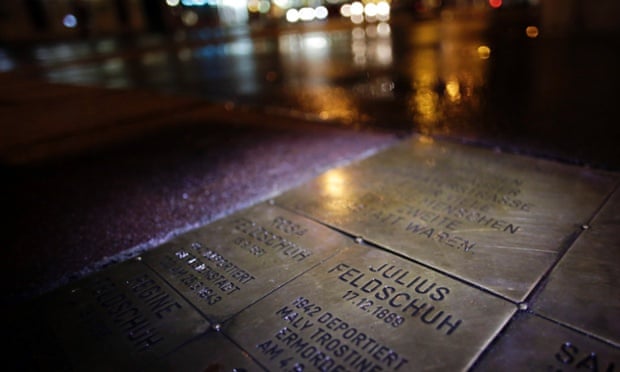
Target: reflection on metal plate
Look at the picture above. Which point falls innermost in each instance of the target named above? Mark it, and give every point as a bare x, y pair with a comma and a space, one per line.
233, 262
496, 220
583, 289
121, 318
212, 352
531, 343
366, 309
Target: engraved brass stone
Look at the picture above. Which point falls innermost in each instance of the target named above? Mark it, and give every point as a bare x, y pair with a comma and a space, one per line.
583, 289
531, 343
233, 262
121, 318
366, 309
496, 220
210, 352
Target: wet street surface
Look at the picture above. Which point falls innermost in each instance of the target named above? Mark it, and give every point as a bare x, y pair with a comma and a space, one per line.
436, 193
492, 78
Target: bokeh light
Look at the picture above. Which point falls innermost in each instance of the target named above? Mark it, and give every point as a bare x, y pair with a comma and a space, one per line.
484, 52
495, 3
531, 32
69, 21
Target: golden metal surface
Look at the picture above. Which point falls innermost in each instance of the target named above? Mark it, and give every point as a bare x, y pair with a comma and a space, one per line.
496, 220
211, 352
531, 343
366, 309
583, 289
233, 262
120, 319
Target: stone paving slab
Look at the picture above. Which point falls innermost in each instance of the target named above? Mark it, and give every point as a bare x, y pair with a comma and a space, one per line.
497, 220
532, 343
210, 352
367, 307
123, 317
583, 291
233, 262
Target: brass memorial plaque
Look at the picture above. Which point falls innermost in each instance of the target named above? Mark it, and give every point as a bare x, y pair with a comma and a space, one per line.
211, 352
496, 220
233, 262
583, 290
368, 310
531, 343
121, 318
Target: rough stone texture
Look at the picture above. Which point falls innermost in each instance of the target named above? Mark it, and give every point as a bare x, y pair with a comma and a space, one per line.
71, 211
